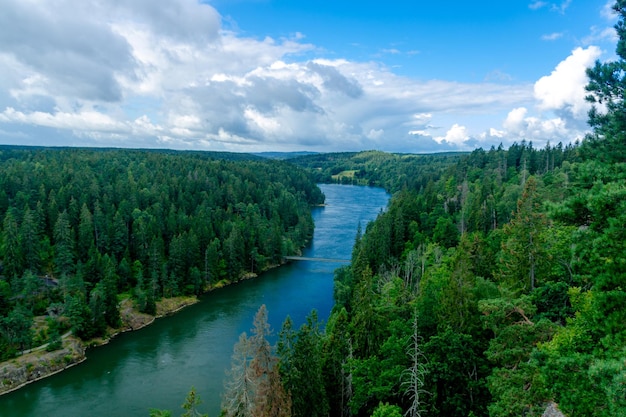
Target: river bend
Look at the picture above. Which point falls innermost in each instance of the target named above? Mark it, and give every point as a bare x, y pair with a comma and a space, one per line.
155, 367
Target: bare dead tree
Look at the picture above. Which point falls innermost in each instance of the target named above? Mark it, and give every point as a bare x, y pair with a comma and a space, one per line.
238, 398
415, 374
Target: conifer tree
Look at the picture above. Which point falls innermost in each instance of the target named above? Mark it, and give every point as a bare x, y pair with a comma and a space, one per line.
607, 87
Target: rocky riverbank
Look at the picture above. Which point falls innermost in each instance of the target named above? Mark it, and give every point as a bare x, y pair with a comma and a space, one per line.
38, 363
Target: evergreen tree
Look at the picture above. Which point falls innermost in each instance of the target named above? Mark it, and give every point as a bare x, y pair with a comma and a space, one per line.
11, 254
524, 250
607, 86
63, 244
192, 401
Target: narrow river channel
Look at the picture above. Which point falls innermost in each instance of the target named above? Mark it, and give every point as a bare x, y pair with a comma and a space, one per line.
155, 367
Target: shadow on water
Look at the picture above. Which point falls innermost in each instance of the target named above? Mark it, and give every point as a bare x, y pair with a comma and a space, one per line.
155, 367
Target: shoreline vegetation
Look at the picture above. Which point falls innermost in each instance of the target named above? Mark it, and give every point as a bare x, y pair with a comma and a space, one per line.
37, 363
88, 237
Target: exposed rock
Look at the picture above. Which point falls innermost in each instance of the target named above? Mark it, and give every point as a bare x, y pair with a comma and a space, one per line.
131, 318
552, 410
40, 364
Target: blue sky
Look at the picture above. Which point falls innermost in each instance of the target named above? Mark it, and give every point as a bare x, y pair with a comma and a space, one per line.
279, 75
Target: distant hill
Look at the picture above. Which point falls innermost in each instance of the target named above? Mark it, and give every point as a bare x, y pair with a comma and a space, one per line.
7, 151
284, 155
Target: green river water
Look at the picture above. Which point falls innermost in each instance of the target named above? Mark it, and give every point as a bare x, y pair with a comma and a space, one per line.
155, 367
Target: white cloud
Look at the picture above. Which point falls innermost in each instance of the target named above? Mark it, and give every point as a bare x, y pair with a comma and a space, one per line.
267, 125
495, 133
607, 11
537, 5
559, 7
83, 120
552, 36
456, 135
564, 88
124, 72
515, 120
600, 34
519, 125
422, 119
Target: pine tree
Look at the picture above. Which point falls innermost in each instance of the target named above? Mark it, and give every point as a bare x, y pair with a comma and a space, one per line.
607, 87
63, 244
524, 249
192, 401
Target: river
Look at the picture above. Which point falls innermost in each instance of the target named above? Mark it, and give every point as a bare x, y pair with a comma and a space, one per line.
155, 367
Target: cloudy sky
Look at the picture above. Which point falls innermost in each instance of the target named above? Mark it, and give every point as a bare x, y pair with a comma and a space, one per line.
285, 75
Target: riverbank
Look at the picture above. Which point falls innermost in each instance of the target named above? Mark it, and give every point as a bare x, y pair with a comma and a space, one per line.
38, 363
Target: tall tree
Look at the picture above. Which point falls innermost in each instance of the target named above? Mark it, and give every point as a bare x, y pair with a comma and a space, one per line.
238, 397
301, 368
524, 250
607, 87
63, 244
30, 240
270, 398
12, 256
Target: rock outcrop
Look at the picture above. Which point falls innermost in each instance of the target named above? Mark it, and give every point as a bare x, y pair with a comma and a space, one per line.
552, 410
40, 364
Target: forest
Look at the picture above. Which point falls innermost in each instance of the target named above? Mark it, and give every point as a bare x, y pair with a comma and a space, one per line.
493, 285
83, 229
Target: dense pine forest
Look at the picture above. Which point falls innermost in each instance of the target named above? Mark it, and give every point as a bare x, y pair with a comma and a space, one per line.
83, 229
493, 285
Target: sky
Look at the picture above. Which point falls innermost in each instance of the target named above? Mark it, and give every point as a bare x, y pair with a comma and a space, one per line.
414, 76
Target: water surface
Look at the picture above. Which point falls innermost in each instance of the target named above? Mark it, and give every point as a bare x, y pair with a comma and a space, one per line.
155, 367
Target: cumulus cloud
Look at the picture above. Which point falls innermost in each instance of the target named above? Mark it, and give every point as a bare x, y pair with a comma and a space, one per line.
126, 73
564, 88
521, 126
560, 111
182, 20
456, 135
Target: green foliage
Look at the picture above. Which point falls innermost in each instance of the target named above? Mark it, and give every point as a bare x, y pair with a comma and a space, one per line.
160, 413
150, 223
471, 248
16, 332
301, 368
387, 410
54, 335
607, 82
191, 405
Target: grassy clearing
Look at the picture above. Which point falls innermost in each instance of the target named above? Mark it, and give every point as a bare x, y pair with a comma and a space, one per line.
345, 174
